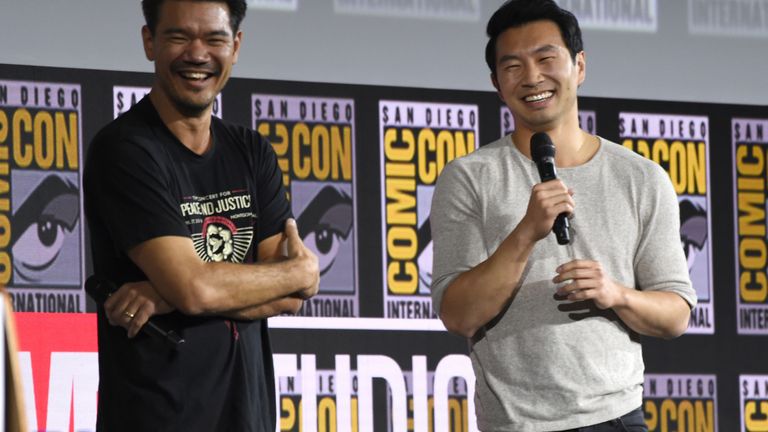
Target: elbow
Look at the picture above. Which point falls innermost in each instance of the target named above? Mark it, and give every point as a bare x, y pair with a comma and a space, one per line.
678, 328
458, 326
194, 298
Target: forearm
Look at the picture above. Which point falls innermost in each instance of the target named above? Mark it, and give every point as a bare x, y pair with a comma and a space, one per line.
276, 307
226, 288
477, 296
195, 287
654, 313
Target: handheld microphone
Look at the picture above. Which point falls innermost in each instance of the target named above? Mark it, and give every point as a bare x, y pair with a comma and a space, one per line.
100, 289
543, 153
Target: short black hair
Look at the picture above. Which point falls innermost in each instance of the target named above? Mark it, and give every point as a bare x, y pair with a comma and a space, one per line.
151, 9
515, 13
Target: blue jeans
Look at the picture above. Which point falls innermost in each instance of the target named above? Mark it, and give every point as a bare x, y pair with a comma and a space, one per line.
633, 421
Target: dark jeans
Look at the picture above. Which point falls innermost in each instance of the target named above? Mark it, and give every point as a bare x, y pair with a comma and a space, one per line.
633, 421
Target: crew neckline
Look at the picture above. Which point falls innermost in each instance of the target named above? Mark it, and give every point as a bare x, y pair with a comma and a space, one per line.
598, 154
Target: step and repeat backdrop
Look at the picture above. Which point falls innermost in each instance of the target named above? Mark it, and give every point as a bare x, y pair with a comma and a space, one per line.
360, 165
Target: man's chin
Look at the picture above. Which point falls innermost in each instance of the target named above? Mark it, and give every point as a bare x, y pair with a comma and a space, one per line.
192, 108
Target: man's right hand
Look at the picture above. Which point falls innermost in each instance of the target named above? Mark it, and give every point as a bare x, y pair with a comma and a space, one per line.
548, 200
305, 258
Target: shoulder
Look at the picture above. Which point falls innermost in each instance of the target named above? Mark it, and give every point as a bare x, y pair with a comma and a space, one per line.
239, 136
486, 157
633, 166
135, 130
644, 180
480, 167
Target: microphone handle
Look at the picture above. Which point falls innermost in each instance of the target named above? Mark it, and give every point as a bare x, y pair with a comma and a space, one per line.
562, 229
170, 337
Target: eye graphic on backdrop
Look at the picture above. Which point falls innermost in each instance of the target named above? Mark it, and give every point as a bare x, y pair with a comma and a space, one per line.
41, 225
693, 230
324, 223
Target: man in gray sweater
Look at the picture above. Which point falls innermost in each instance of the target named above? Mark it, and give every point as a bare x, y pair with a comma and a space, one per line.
554, 329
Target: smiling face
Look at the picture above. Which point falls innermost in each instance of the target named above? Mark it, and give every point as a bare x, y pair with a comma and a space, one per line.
193, 48
536, 76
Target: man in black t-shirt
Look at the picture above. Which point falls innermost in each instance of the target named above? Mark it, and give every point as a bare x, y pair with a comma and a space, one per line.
188, 216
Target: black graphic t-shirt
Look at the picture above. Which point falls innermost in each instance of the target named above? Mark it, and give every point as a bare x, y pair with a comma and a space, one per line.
142, 183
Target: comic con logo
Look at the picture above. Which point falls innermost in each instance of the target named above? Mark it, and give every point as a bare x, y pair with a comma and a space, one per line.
680, 402
40, 207
313, 139
678, 143
417, 140
750, 150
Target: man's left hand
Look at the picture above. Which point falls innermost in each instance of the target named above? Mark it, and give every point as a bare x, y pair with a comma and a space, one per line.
133, 304
588, 281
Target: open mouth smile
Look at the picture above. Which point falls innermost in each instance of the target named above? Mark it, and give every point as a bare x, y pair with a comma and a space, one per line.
538, 97
195, 76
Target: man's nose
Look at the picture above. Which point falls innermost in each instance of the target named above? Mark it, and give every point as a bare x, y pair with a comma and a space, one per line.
196, 51
531, 75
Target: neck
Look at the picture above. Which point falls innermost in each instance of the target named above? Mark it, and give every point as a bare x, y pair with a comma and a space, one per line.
194, 131
574, 146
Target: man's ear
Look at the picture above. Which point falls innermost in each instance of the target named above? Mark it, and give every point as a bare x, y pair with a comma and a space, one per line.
495, 83
236, 45
581, 65
148, 40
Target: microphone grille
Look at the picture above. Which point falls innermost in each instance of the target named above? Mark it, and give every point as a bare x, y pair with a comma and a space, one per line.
541, 146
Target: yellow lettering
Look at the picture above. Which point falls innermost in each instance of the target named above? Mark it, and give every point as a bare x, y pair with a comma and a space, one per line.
752, 253
326, 415
749, 160
464, 143
685, 420
401, 201
341, 151
402, 242
302, 165
651, 415
427, 168
287, 406
3, 131
705, 420
753, 424
399, 169
66, 144
353, 408
751, 213
668, 414
403, 277
697, 168
321, 152
454, 413
22, 152
5, 268
43, 139
54, 139
747, 288
400, 150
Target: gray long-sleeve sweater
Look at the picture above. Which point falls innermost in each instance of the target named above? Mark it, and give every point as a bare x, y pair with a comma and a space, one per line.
545, 364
